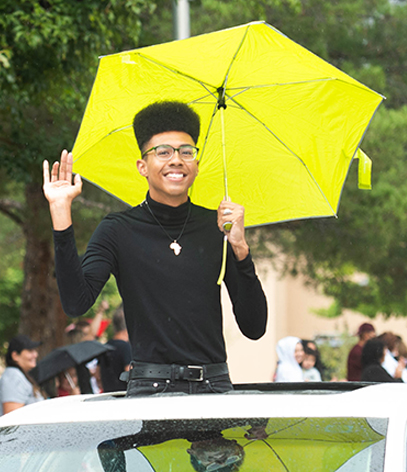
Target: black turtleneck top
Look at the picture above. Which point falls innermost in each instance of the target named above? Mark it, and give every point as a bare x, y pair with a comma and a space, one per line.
171, 303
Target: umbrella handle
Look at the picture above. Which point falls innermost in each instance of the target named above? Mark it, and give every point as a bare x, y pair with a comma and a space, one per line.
224, 254
69, 379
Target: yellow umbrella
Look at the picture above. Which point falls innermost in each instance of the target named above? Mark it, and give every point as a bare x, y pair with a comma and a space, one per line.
293, 123
280, 126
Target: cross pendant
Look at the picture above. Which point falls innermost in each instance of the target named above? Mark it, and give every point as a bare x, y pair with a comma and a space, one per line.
175, 247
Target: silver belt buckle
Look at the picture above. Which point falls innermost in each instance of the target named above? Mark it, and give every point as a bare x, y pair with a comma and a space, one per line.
201, 376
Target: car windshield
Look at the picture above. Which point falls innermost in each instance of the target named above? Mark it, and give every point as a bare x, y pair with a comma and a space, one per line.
251, 444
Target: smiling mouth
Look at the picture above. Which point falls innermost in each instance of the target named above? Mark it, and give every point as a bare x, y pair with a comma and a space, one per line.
175, 176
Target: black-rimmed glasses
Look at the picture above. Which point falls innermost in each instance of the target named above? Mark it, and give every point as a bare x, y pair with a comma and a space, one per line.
165, 152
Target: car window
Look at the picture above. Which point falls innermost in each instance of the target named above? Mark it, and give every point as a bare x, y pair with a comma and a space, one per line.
249, 444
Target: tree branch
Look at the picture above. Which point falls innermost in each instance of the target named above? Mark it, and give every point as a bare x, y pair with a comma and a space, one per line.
91, 204
10, 208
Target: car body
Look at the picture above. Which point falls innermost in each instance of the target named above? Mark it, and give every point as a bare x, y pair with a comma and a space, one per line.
289, 427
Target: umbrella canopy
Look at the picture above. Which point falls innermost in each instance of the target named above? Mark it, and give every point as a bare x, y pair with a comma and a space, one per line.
290, 123
63, 358
282, 444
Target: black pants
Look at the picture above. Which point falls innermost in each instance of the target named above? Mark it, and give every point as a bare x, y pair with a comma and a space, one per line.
144, 387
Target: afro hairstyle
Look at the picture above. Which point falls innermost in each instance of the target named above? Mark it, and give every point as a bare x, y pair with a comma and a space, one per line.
160, 117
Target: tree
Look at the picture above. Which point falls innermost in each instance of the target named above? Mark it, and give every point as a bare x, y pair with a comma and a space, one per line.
48, 58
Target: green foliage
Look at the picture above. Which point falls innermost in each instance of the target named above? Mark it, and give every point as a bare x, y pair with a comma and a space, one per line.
52, 48
334, 355
333, 311
11, 277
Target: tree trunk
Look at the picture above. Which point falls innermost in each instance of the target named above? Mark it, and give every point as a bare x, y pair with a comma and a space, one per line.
42, 317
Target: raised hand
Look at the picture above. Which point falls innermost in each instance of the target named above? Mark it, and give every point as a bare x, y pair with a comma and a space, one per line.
59, 187
60, 191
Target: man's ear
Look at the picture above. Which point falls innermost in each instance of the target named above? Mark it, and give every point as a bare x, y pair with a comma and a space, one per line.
142, 167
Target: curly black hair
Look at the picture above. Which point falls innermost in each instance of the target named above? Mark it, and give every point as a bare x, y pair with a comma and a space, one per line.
160, 117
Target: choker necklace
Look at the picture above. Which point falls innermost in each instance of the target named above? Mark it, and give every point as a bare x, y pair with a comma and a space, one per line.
175, 246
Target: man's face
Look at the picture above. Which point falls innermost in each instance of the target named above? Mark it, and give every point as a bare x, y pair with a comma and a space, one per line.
170, 180
368, 335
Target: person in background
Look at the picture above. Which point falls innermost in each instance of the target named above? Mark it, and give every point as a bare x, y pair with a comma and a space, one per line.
309, 371
17, 388
310, 347
113, 363
83, 330
68, 383
373, 354
392, 359
365, 332
290, 354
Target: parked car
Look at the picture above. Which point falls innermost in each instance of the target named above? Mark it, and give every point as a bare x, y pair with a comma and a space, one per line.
308, 427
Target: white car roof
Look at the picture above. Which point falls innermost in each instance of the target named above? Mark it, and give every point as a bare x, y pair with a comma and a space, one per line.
380, 401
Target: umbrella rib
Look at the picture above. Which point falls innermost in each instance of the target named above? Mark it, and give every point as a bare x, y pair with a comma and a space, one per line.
275, 452
277, 84
116, 130
176, 71
207, 132
288, 149
202, 83
234, 56
290, 425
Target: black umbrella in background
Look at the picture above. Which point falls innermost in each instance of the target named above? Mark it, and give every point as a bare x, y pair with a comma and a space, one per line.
63, 358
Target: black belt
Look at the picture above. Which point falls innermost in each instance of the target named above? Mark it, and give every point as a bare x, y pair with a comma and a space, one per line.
192, 373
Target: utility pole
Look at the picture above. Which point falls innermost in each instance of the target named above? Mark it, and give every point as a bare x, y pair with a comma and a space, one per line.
181, 19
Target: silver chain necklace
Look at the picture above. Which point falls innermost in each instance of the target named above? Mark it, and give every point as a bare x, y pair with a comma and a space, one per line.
175, 246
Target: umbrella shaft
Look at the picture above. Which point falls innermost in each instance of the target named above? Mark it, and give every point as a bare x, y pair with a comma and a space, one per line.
225, 175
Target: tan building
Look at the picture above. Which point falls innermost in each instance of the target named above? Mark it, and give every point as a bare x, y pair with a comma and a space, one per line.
291, 306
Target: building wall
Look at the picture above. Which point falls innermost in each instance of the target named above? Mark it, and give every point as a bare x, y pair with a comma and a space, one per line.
290, 304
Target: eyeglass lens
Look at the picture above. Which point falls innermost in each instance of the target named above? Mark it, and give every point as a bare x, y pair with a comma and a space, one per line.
186, 151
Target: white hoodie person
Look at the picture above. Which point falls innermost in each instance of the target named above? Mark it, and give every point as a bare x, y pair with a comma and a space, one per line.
290, 354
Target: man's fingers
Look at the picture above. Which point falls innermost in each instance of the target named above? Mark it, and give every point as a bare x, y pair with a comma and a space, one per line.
45, 172
77, 181
54, 171
69, 164
63, 168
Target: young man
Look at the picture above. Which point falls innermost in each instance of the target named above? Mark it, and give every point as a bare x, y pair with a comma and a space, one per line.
166, 256
365, 332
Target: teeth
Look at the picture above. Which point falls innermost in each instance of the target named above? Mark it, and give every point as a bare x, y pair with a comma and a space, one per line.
175, 176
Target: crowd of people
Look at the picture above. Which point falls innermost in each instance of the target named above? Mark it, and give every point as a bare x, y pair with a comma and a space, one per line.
374, 358
19, 387
298, 361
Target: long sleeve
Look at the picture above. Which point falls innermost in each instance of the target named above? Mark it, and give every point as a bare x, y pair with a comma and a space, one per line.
78, 286
247, 296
